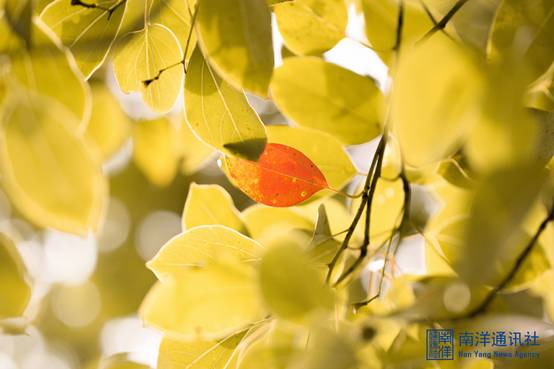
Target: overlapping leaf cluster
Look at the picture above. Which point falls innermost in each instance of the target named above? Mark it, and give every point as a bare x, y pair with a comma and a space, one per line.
463, 164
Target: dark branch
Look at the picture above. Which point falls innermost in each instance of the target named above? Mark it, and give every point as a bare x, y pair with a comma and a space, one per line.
147, 82
433, 19
444, 21
399, 26
516, 267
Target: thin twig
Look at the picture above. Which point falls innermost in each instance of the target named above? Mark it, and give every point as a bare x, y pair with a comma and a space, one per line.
444, 21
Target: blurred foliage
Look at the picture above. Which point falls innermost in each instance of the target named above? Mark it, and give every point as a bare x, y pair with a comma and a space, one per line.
145, 182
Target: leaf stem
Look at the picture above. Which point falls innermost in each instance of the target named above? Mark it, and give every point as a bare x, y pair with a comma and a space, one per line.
444, 21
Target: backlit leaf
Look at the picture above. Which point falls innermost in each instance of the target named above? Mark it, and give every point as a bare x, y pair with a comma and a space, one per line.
38, 139
109, 126
46, 68
88, 32
210, 204
194, 152
235, 36
324, 96
524, 29
435, 99
148, 51
196, 247
219, 114
178, 354
322, 148
14, 290
282, 176
263, 222
298, 291
155, 150
311, 26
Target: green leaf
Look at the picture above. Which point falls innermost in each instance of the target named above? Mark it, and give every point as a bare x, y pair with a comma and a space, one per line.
109, 126
435, 100
219, 114
120, 361
235, 36
524, 29
199, 354
324, 96
47, 170
333, 161
298, 291
14, 290
88, 32
155, 150
194, 152
311, 26
149, 51
210, 205
47, 69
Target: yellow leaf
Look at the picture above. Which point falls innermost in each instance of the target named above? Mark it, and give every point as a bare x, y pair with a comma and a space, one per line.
210, 301
14, 290
263, 221
210, 205
194, 152
323, 149
381, 19
179, 354
219, 114
435, 100
88, 32
47, 69
291, 286
324, 96
524, 29
195, 247
109, 126
139, 61
235, 36
120, 361
155, 150
46, 168
311, 26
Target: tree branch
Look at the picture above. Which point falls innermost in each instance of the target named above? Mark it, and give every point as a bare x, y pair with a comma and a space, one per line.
444, 21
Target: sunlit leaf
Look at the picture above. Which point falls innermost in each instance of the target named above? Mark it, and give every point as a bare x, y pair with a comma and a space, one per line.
177, 16
177, 354
323, 149
263, 222
435, 100
381, 19
210, 204
148, 52
196, 247
282, 176
219, 114
88, 32
541, 93
120, 361
311, 26
299, 291
19, 15
47, 171
235, 36
324, 96
109, 126
194, 152
524, 29
210, 301
45, 68
155, 150
14, 289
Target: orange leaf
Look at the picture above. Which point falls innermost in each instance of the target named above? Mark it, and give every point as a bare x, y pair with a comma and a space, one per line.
282, 176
